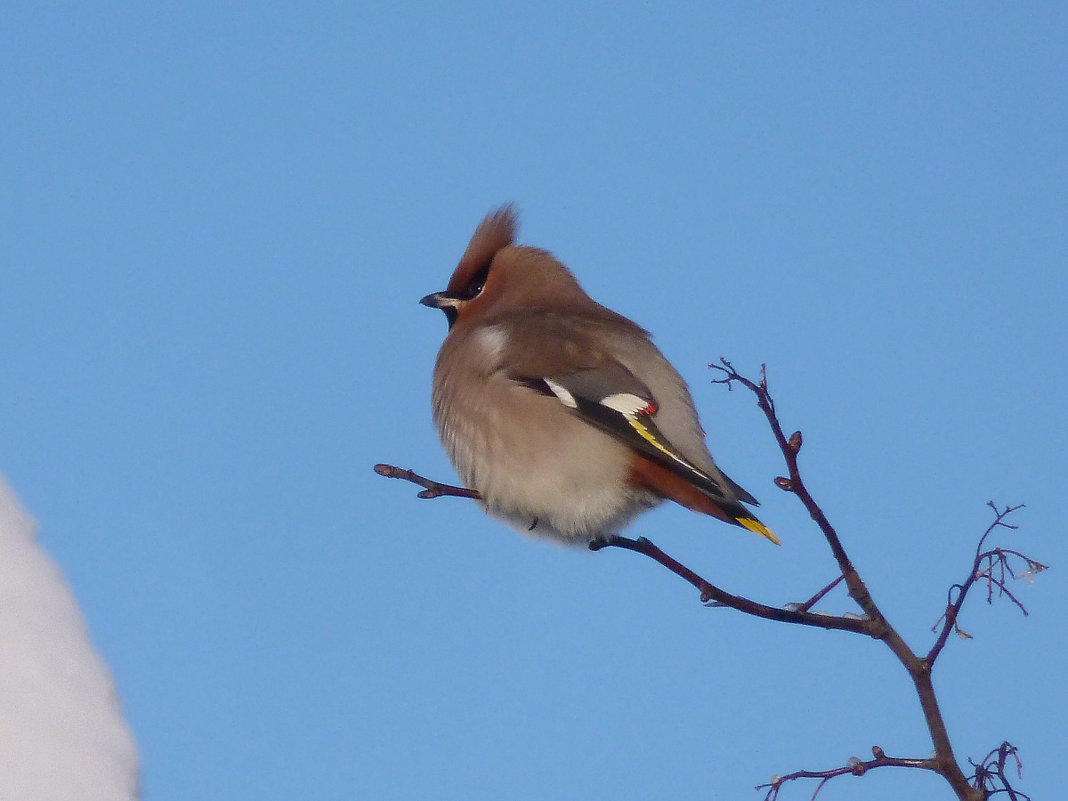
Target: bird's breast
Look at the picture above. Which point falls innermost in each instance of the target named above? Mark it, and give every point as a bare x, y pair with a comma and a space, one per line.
532, 459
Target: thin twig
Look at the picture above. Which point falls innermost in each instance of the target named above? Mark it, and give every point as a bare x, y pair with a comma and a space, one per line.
854, 766
431, 489
993, 558
710, 592
990, 778
816, 598
790, 447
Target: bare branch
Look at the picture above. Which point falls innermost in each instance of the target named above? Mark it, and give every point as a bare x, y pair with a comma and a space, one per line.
816, 598
854, 766
709, 592
993, 567
790, 448
919, 669
431, 489
990, 778
718, 597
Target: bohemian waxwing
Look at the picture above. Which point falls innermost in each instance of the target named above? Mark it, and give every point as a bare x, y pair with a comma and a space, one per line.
561, 413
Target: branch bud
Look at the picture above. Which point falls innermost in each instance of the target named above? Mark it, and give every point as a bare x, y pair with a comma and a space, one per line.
795, 441
877, 752
784, 484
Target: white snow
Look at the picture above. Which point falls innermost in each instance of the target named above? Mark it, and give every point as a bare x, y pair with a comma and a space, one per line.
62, 734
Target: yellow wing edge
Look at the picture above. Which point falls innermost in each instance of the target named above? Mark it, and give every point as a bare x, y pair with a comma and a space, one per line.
757, 527
750, 523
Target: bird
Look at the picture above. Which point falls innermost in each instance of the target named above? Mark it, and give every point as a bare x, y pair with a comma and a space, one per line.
561, 413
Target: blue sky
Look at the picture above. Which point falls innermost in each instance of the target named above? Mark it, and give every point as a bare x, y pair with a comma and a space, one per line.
215, 223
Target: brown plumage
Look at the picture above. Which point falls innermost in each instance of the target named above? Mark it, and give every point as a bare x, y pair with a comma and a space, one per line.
561, 412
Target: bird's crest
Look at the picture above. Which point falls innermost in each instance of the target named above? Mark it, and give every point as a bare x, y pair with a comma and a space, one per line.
496, 231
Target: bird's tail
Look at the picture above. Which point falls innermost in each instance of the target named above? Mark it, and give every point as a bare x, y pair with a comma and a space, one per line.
669, 484
757, 527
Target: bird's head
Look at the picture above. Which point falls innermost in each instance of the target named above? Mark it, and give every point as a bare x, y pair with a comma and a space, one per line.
495, 276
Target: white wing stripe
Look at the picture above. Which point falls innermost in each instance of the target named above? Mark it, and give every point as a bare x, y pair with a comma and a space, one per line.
625, 403
560, 392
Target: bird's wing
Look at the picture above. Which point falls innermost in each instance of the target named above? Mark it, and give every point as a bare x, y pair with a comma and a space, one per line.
563, 357
611, 398
565, 360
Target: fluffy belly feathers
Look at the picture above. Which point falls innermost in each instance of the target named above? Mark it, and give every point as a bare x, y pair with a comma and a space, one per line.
552, 474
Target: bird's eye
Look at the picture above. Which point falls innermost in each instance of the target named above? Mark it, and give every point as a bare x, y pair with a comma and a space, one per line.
478, 282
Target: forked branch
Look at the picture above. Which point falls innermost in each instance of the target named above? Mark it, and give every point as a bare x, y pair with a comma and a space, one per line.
854, 766
994, 566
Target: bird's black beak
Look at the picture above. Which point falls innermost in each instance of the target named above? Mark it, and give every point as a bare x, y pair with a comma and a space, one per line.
435, 300
446, 302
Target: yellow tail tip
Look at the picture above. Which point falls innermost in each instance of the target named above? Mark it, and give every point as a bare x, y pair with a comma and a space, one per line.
757, 527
